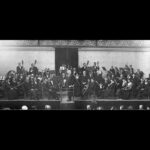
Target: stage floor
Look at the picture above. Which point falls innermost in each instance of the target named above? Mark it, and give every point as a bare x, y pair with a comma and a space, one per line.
77, 99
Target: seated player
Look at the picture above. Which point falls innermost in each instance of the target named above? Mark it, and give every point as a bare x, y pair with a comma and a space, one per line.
20, 68
118, 87
26, 86
63, 81
143, 89
136, 82
39, 85
84, 85
44, 87
11, 87
77, 86
123, 87
33, 69
110, 90
105, 87
52, 91
99, 81
20, 86
33, 88
91, 89
128, 90
2, 87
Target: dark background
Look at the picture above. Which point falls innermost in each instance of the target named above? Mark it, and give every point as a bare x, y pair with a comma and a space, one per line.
66, 56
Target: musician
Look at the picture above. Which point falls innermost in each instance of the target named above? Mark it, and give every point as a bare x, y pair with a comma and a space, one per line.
131, 69
123, 87
136, 82
119, 83
94, 69
90, 76
74, 72
44, 87
143, 89
105, 87
70, 84
33, 88
55, 86
110, 90
26, 86
62, 81
112, 70
104, 72
116, 72
20, 85
91, 89
147, 88
122, 72
84, 68
62, 69
139, 73
127, 70
99, 81
2, 87
128, 89
33, 69
20, 69
77, 86
84, 84
11, 89
39, 85
52, 88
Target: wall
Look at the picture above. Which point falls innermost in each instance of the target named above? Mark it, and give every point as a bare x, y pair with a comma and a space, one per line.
139, 58
10, 56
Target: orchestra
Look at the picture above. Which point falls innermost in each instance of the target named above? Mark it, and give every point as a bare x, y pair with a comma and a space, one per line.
84, 82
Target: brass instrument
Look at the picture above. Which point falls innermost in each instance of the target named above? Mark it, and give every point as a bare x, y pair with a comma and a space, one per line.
84, 90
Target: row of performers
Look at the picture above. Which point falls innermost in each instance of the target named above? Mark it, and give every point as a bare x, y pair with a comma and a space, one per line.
85, 86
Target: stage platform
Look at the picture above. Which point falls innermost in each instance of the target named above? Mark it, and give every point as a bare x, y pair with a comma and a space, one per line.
77, 104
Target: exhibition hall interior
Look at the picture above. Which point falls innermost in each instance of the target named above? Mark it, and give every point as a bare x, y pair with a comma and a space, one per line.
74, 74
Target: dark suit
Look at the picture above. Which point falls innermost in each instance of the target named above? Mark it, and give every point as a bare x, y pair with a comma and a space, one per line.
11, 89
77, 88
143, 90
33, 70
33, 87
99, 89
19, 70
51, 89
2, 90
84, 83
136, 82
70, 83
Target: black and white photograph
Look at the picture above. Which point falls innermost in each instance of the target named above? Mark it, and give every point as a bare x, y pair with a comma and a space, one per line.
75, 74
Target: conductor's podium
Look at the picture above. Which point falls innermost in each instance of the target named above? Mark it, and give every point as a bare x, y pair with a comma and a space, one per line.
63, 93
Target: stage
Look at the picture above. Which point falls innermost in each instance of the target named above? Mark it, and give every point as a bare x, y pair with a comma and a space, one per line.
72, 105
